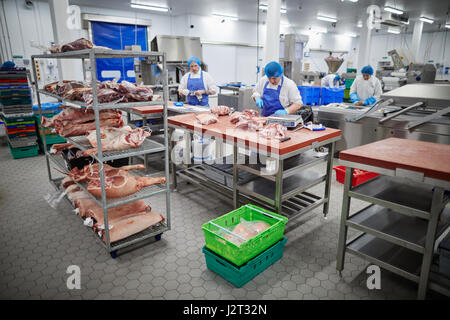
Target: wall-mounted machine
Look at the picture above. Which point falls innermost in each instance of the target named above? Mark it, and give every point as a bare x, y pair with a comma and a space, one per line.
291, 53
236, 96
178, 49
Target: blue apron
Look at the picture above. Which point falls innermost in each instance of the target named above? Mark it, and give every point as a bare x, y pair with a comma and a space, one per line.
271, 99
194, 85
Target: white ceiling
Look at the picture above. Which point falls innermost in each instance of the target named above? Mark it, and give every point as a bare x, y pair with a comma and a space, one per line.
301, 13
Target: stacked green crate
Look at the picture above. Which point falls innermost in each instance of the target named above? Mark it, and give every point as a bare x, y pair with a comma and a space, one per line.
15, 100
239, 263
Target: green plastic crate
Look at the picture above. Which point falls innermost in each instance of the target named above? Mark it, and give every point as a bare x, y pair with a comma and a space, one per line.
239, 276
24, 152
250, 248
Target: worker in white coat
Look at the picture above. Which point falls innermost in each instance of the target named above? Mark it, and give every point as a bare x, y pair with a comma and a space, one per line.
366, 89
330, 81
276, 94
197, 84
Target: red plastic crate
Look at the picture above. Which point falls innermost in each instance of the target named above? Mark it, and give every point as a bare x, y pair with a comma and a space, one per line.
359, 176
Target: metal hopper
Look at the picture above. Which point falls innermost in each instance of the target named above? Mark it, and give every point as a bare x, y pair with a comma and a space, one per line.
333, 64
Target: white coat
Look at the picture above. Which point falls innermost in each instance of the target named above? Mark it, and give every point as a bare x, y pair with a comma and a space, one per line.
366, 88
328, 81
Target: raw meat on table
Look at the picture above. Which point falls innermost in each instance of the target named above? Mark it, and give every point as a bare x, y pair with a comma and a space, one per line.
113, 139
78, 44
248, 119
206, 118
274, 131
220, 110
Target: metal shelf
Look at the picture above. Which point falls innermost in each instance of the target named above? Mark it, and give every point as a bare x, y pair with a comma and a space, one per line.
101, 106
82, 143
400, 229
147, 147
385, 254
411, 199
265, 190
99, 54
296, 206
290, 166
113, 202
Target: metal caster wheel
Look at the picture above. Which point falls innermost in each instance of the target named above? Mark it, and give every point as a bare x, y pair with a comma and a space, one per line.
158, 237
114, 254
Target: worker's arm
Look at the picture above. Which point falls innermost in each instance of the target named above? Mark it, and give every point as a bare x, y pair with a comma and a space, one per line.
182, 88
295, 99
293, 108
378, 90
353, 95
210, 84
259, 87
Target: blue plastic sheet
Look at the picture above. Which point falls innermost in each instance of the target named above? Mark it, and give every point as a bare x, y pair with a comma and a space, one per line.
117, 36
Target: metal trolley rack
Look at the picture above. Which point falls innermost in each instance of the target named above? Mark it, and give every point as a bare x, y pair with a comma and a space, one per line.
82, 143
406, 213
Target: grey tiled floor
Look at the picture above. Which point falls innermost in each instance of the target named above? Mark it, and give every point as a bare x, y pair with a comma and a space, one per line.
38, 243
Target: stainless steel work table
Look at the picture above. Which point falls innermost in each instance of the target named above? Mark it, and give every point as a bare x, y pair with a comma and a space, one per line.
407, 210
286, 190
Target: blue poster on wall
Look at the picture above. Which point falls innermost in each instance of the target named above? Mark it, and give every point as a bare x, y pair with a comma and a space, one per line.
117, 36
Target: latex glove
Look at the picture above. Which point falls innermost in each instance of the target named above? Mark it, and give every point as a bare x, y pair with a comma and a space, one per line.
354, 97
185, 92
259, 102
281, 111
370, 101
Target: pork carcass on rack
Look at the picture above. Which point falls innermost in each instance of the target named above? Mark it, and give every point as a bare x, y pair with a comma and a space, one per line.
274, 131
75, 122
121, 185
220, 110
113, 139
117, 213
133, 224
118, 181
206, 118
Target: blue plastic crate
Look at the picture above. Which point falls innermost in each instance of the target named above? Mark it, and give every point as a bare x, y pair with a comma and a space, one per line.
239, 276
310, 95
49, 107
332, 95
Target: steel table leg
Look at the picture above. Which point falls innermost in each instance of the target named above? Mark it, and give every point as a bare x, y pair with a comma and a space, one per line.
173, 166
326, 204
344, 216
235, 177
436, 209
279, 187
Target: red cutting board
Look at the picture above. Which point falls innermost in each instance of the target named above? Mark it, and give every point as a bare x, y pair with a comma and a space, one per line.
432, 159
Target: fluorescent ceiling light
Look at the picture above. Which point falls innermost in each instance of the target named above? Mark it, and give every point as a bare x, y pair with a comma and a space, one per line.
148, 7
225, 16
359, 25
318, 29
349, 34
393, 30
324, 18
393, 10
447, 25
405, 22
350, 1
265, 7
425, 19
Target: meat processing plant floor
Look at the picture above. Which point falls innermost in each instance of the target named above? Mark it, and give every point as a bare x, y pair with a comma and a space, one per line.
39, 243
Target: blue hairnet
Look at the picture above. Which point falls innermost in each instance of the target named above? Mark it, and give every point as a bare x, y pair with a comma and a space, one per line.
337, 78
367, 70
8, 65
194, 59
273, 69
